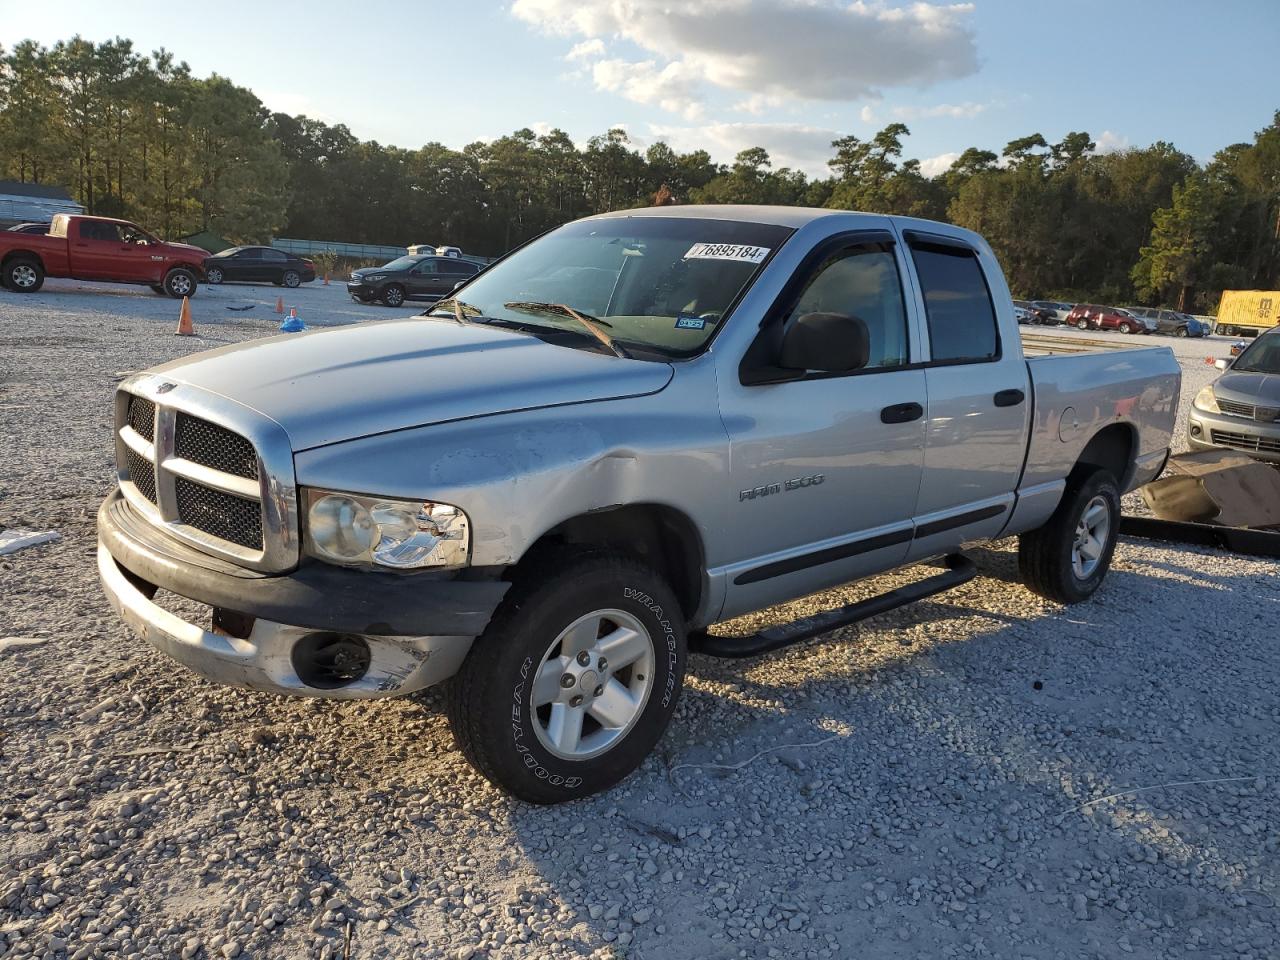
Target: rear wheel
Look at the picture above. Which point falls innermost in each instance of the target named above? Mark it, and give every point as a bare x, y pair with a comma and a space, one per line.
575, 679
1067, 559
393, 295
180, 282
23, 275
1082, 323
291, 279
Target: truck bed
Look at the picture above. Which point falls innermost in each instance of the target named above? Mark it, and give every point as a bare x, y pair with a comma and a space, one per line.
1083, 386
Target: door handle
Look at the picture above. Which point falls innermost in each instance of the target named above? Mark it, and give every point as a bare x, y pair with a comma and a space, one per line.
901, 413
1009, 398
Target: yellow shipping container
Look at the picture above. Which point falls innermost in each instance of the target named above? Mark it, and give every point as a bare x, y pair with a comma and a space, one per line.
1248, 311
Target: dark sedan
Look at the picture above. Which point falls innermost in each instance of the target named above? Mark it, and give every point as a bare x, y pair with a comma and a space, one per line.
410, 278
258, 265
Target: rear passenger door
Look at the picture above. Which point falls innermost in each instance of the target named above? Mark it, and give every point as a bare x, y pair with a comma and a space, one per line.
274, 263
423, 279
454, 271
978, 408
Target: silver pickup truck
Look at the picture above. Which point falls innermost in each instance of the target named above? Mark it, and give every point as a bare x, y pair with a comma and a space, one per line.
549, 487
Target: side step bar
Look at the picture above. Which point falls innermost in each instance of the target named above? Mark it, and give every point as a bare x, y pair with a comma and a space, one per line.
960, 569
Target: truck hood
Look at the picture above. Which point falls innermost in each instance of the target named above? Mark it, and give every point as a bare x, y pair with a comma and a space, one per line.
1259, 389
332, 385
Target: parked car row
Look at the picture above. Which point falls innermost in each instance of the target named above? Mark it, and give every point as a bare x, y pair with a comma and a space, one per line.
1129, 320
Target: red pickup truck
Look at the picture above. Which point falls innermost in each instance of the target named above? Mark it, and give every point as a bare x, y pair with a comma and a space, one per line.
99, 248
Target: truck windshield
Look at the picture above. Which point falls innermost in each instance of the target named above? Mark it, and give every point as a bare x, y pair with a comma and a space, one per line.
663, 285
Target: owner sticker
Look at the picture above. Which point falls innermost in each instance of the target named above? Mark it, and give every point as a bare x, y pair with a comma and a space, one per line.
741, 252
686, 322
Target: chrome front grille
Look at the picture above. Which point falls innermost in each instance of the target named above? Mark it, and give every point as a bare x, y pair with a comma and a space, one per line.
1249, 411
215, 474
1245, 441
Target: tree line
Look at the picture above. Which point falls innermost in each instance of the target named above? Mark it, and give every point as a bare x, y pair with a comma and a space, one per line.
139, 136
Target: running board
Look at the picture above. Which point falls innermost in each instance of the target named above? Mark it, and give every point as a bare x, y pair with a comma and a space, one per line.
960, 569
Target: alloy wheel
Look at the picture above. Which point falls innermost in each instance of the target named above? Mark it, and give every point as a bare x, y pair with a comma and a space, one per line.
592, 684
1090, 542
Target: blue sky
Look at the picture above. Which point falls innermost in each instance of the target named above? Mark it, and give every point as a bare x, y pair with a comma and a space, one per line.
724, 74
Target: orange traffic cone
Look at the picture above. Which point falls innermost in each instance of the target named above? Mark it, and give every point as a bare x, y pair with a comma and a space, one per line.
185, 326
279, 304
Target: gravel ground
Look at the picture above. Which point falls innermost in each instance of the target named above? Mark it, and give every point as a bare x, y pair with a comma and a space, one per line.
940, 781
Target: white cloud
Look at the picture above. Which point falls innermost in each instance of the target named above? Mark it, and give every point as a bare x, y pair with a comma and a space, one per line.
867, 114
670, 87
958, 111
932, 166
1108, 142
783, 49
794, 145
586, 50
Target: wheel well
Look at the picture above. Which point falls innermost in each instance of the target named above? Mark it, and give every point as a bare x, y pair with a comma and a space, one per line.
1110, 449
661, 536
22, 255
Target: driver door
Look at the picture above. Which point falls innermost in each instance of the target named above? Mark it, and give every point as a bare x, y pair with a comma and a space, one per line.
825, 469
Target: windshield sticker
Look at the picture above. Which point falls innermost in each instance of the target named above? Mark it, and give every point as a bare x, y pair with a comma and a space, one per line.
686, 322
741, 252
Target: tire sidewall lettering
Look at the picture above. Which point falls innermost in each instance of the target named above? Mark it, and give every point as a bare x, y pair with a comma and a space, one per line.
519, 736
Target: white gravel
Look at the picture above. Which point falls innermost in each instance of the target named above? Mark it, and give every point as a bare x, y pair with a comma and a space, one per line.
929, 791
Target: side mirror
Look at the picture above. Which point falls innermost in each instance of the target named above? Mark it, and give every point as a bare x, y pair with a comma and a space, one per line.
1221, 363
830, 342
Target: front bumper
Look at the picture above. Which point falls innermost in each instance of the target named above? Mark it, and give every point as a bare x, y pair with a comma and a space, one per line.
418, 628
364, 292
1218, 431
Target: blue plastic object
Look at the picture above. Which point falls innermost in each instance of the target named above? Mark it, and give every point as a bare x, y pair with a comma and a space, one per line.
292, 324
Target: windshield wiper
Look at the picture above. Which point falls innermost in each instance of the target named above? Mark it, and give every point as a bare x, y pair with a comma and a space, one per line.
593, 325
460, 310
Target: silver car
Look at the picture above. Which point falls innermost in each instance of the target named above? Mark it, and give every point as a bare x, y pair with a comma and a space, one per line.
1241, 410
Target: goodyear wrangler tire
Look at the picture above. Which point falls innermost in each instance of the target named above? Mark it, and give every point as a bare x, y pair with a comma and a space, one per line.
575, 679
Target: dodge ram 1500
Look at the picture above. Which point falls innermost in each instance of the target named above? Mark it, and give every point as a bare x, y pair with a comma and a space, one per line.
98, 248
546, 489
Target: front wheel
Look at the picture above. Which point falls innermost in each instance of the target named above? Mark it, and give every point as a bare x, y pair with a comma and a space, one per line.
1082, 324
23, 276
213, 275
393, 296
180, 282
575, 679
1181, 332
1067, 558
291, 279
1125, 328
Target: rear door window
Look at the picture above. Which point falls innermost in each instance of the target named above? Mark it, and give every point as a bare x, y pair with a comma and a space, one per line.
961, 316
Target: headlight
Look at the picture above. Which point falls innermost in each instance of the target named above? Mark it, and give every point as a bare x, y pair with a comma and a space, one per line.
377, 276
1206, 401
363, 531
